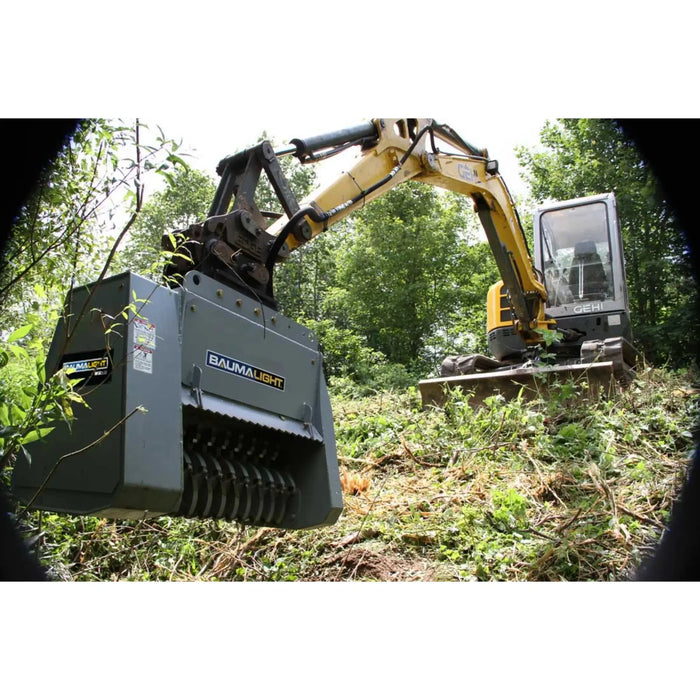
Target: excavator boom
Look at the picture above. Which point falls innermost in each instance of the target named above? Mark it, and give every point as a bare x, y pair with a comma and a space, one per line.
409, 149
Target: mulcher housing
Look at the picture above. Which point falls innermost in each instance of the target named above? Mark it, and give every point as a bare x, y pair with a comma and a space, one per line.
236, 420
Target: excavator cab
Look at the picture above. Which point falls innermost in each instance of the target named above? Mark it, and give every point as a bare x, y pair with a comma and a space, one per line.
578, 252
578, 247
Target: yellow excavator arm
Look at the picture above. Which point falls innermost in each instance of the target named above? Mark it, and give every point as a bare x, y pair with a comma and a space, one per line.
397, 150
239, 245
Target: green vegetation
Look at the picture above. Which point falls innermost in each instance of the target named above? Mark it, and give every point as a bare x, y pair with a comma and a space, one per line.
553, 489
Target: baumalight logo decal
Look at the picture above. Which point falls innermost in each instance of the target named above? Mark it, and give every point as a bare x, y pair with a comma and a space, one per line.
91, 367
243, 369
98, 365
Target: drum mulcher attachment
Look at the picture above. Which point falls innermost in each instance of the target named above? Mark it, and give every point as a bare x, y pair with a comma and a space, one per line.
237, 422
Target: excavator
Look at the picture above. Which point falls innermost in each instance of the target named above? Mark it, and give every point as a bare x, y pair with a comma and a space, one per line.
206, 402
579, 255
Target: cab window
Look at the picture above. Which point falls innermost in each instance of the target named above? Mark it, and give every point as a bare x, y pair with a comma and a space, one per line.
576, 254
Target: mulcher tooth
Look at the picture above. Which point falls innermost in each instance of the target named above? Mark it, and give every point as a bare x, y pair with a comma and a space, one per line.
277, 498
256, 494
234, 497
187, 501
269, 494
290, 493
251, 444
213, 484
199, 485
247, 500
224, 488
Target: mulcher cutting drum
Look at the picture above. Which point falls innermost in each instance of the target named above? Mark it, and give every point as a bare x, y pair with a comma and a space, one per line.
236, 423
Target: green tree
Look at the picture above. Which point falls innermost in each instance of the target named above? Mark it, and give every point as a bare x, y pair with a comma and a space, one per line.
303, 283
184, 201
582, 157
83, 206
404, 273
465, 331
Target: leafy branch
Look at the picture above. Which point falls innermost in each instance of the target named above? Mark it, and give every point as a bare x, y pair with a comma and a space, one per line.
75, 453
28, 415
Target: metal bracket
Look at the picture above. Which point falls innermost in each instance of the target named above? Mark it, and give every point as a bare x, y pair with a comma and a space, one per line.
196, 387
308, 414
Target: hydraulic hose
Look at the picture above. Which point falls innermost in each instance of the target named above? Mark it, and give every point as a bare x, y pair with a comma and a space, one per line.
313, 214
322, 216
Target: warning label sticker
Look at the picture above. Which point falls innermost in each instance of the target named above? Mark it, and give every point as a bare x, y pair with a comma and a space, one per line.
145, 333
143, 359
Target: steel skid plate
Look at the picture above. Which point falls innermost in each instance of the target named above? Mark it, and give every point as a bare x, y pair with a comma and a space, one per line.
215, 407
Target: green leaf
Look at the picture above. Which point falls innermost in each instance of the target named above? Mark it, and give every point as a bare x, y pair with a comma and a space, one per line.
29, 390
8, 430
18, 351
177, 160
20, 332
34, 435
17, 415
24, 400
